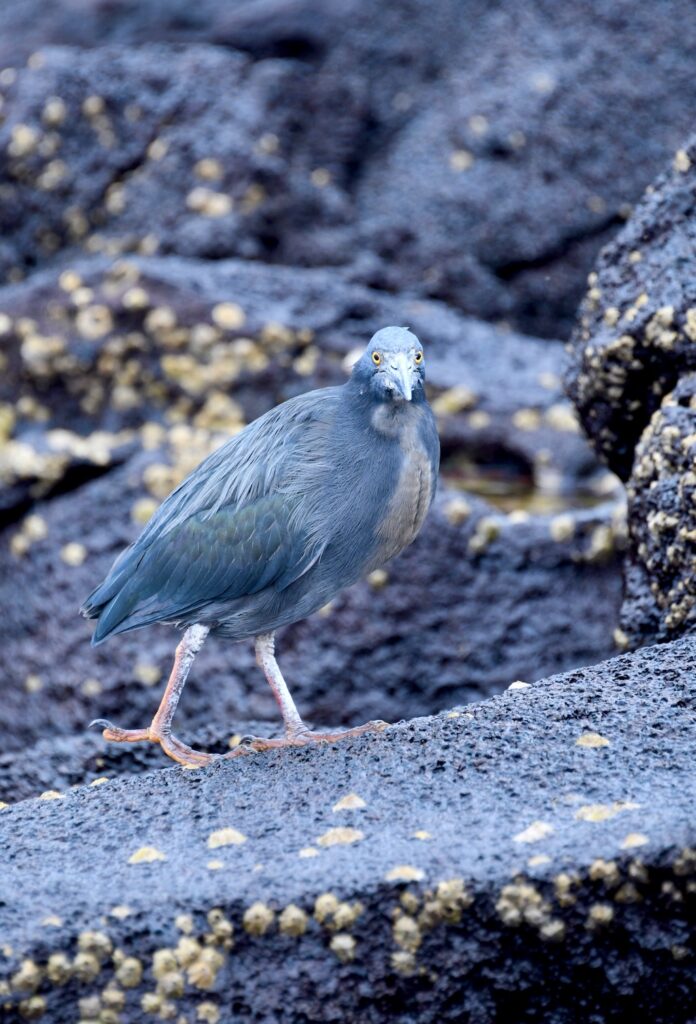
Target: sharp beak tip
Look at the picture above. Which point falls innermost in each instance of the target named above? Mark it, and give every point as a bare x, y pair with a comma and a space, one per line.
402, 380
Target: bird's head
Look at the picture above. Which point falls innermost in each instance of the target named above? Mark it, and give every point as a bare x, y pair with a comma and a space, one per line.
392, 367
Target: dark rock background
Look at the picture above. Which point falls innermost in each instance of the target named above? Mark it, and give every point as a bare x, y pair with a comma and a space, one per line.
631, 377
472, 152
205, 209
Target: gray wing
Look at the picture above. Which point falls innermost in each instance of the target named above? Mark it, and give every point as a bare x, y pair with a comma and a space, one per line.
263, 459
241, 522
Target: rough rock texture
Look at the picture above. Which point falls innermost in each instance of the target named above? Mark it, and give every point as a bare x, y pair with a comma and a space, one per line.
109, 353
507, 597
531, 857
631, 378
661, 590
204, 209
476, 153
158, 149
510, 129
637, 325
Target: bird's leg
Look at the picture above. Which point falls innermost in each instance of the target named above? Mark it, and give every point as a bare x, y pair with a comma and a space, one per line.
296, 732
160, 730
266, 660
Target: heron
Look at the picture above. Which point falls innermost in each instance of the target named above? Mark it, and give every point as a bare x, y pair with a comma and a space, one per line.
307, 499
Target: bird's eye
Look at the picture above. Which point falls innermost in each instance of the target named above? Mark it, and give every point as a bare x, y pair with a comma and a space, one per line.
419, 358
376, 358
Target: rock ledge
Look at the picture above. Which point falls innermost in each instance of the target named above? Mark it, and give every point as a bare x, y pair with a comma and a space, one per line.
531, 855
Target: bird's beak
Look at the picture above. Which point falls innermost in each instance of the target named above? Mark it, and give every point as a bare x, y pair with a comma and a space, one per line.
401, 375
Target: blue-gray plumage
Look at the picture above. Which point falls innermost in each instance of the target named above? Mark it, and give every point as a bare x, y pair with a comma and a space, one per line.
307, 499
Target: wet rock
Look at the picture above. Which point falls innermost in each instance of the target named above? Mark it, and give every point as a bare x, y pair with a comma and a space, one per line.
451, 152
142, 150
660, 591
637, 325
631, 378
507, 597
449, 865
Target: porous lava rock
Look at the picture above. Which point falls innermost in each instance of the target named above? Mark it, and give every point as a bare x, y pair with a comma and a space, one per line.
476, 153
530, 856
637, 325
631, 377
661, 589
150, 149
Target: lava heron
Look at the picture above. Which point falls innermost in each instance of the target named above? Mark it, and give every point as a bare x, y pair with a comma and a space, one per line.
303, 502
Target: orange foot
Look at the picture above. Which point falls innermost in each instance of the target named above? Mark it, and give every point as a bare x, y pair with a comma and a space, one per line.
304, 737
172, 746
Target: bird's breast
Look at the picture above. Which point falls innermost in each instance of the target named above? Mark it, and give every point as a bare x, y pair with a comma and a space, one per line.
410, 499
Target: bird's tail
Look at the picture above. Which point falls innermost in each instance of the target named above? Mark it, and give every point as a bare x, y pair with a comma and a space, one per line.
115, 600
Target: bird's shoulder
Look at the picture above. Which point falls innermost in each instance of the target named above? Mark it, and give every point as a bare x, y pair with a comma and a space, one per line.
255, 463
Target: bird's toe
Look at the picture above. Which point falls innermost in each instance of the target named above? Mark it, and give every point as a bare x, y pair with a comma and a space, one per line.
341, 734
184, 754
260, 743
117, 735
301, 738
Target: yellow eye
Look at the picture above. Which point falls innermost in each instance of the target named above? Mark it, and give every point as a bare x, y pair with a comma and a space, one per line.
376, 358
419, 357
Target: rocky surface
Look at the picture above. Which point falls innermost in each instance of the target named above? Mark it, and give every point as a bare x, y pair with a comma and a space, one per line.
660, 594
476, 155
637, 324
109, 354
530, 856
511, 128
632, 381
203, 211
140, 150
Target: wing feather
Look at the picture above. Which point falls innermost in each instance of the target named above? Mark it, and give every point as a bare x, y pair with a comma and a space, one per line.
237, 525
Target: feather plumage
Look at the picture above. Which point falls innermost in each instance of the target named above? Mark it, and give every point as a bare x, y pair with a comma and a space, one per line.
277, 520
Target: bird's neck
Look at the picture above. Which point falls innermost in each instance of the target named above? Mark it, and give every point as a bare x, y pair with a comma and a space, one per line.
389, 419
